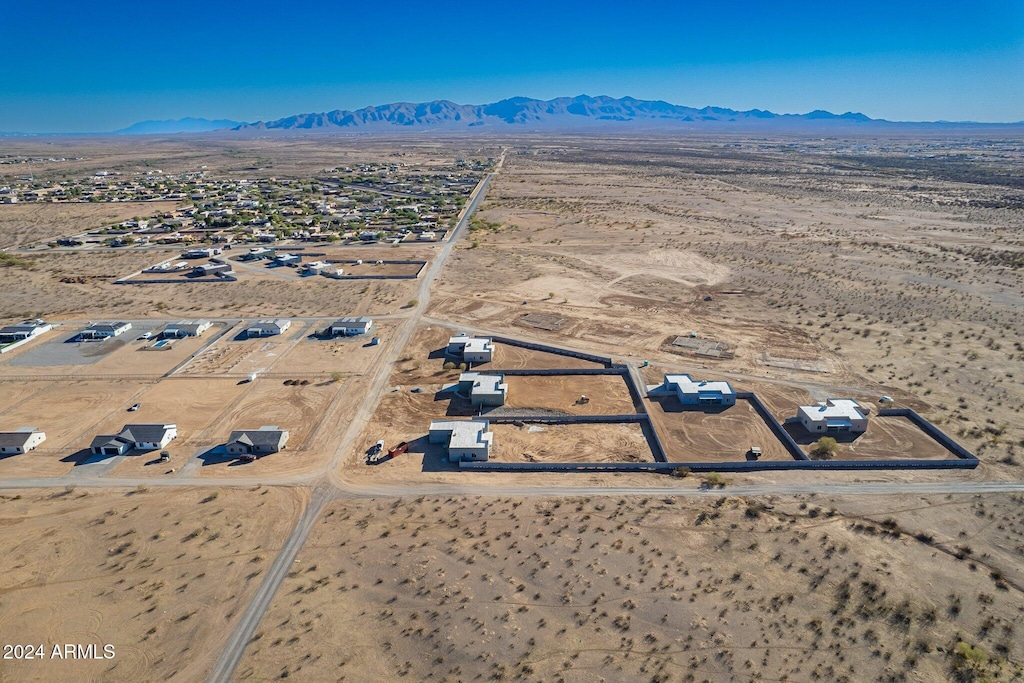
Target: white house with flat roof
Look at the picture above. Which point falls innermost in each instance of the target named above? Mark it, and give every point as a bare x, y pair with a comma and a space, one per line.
186, 328
349, 327
105, 330
466, 439
471, 349
20, 440
268, 327
22, 331
697, 392
836, 415
319, 268
483, 390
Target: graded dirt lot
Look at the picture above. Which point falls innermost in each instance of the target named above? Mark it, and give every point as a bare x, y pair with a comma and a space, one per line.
236, 355
886, 438
608, 394
327, 356
71, 412
647, 589
24, 224
570, 443
161, 575
690, 435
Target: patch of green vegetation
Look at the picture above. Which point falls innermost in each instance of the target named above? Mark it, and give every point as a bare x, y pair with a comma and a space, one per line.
11, 261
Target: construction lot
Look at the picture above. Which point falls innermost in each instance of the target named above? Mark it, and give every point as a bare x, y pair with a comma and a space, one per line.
714, 435
324, 356
561, 394
886, 438
606, 442
236, 355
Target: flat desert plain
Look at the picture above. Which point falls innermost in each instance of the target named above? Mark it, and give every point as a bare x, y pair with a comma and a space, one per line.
161, 575
613, 589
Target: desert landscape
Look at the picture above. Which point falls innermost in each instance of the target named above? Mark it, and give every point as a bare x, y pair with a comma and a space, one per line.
793, 267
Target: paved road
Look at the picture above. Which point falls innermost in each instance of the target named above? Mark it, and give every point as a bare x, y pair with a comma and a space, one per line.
253, 614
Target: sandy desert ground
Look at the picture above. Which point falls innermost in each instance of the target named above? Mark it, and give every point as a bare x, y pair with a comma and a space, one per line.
804, 268
600, 589
161, 575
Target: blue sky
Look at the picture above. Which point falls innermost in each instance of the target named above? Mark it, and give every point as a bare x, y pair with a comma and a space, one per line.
102, 65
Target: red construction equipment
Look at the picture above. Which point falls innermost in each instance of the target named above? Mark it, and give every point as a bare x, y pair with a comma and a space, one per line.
399, 449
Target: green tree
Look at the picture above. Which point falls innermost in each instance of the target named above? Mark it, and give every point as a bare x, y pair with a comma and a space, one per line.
826, 447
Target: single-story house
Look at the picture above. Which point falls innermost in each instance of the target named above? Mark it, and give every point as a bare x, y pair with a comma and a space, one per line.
427, 236
20, 440
697, 392
203, 252
348, 327
483, 390
258, 253
105, 330
836, 415
25, 330
268, 328
471, 349
319, 268
213, 269
287, 259
266, 439
186, 328
143, 437
466, 439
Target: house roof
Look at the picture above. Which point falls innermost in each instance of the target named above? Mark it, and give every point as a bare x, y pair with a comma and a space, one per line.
259, 437
700, 388
484, 384
108, 440
108, 326
18, 438
190, 325
271, 324
835, 410
137, 433
464, 433
27, 326
361, 321
478, 344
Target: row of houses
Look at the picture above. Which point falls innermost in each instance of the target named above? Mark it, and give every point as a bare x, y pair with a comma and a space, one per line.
150, 437
833, 416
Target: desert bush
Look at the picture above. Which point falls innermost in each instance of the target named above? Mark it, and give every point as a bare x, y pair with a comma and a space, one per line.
825, 447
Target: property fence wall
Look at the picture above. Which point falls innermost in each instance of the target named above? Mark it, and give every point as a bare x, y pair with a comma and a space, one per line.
931, 430
607, 362
178, 281
565, 419
752, 466
525, 372
781, 434
14, 345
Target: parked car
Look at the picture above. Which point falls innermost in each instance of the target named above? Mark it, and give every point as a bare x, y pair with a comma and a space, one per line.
164, 456
146, 335
134, 407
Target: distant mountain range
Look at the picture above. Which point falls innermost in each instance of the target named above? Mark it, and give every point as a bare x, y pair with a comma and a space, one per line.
562, 113
524, 112
186, 125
